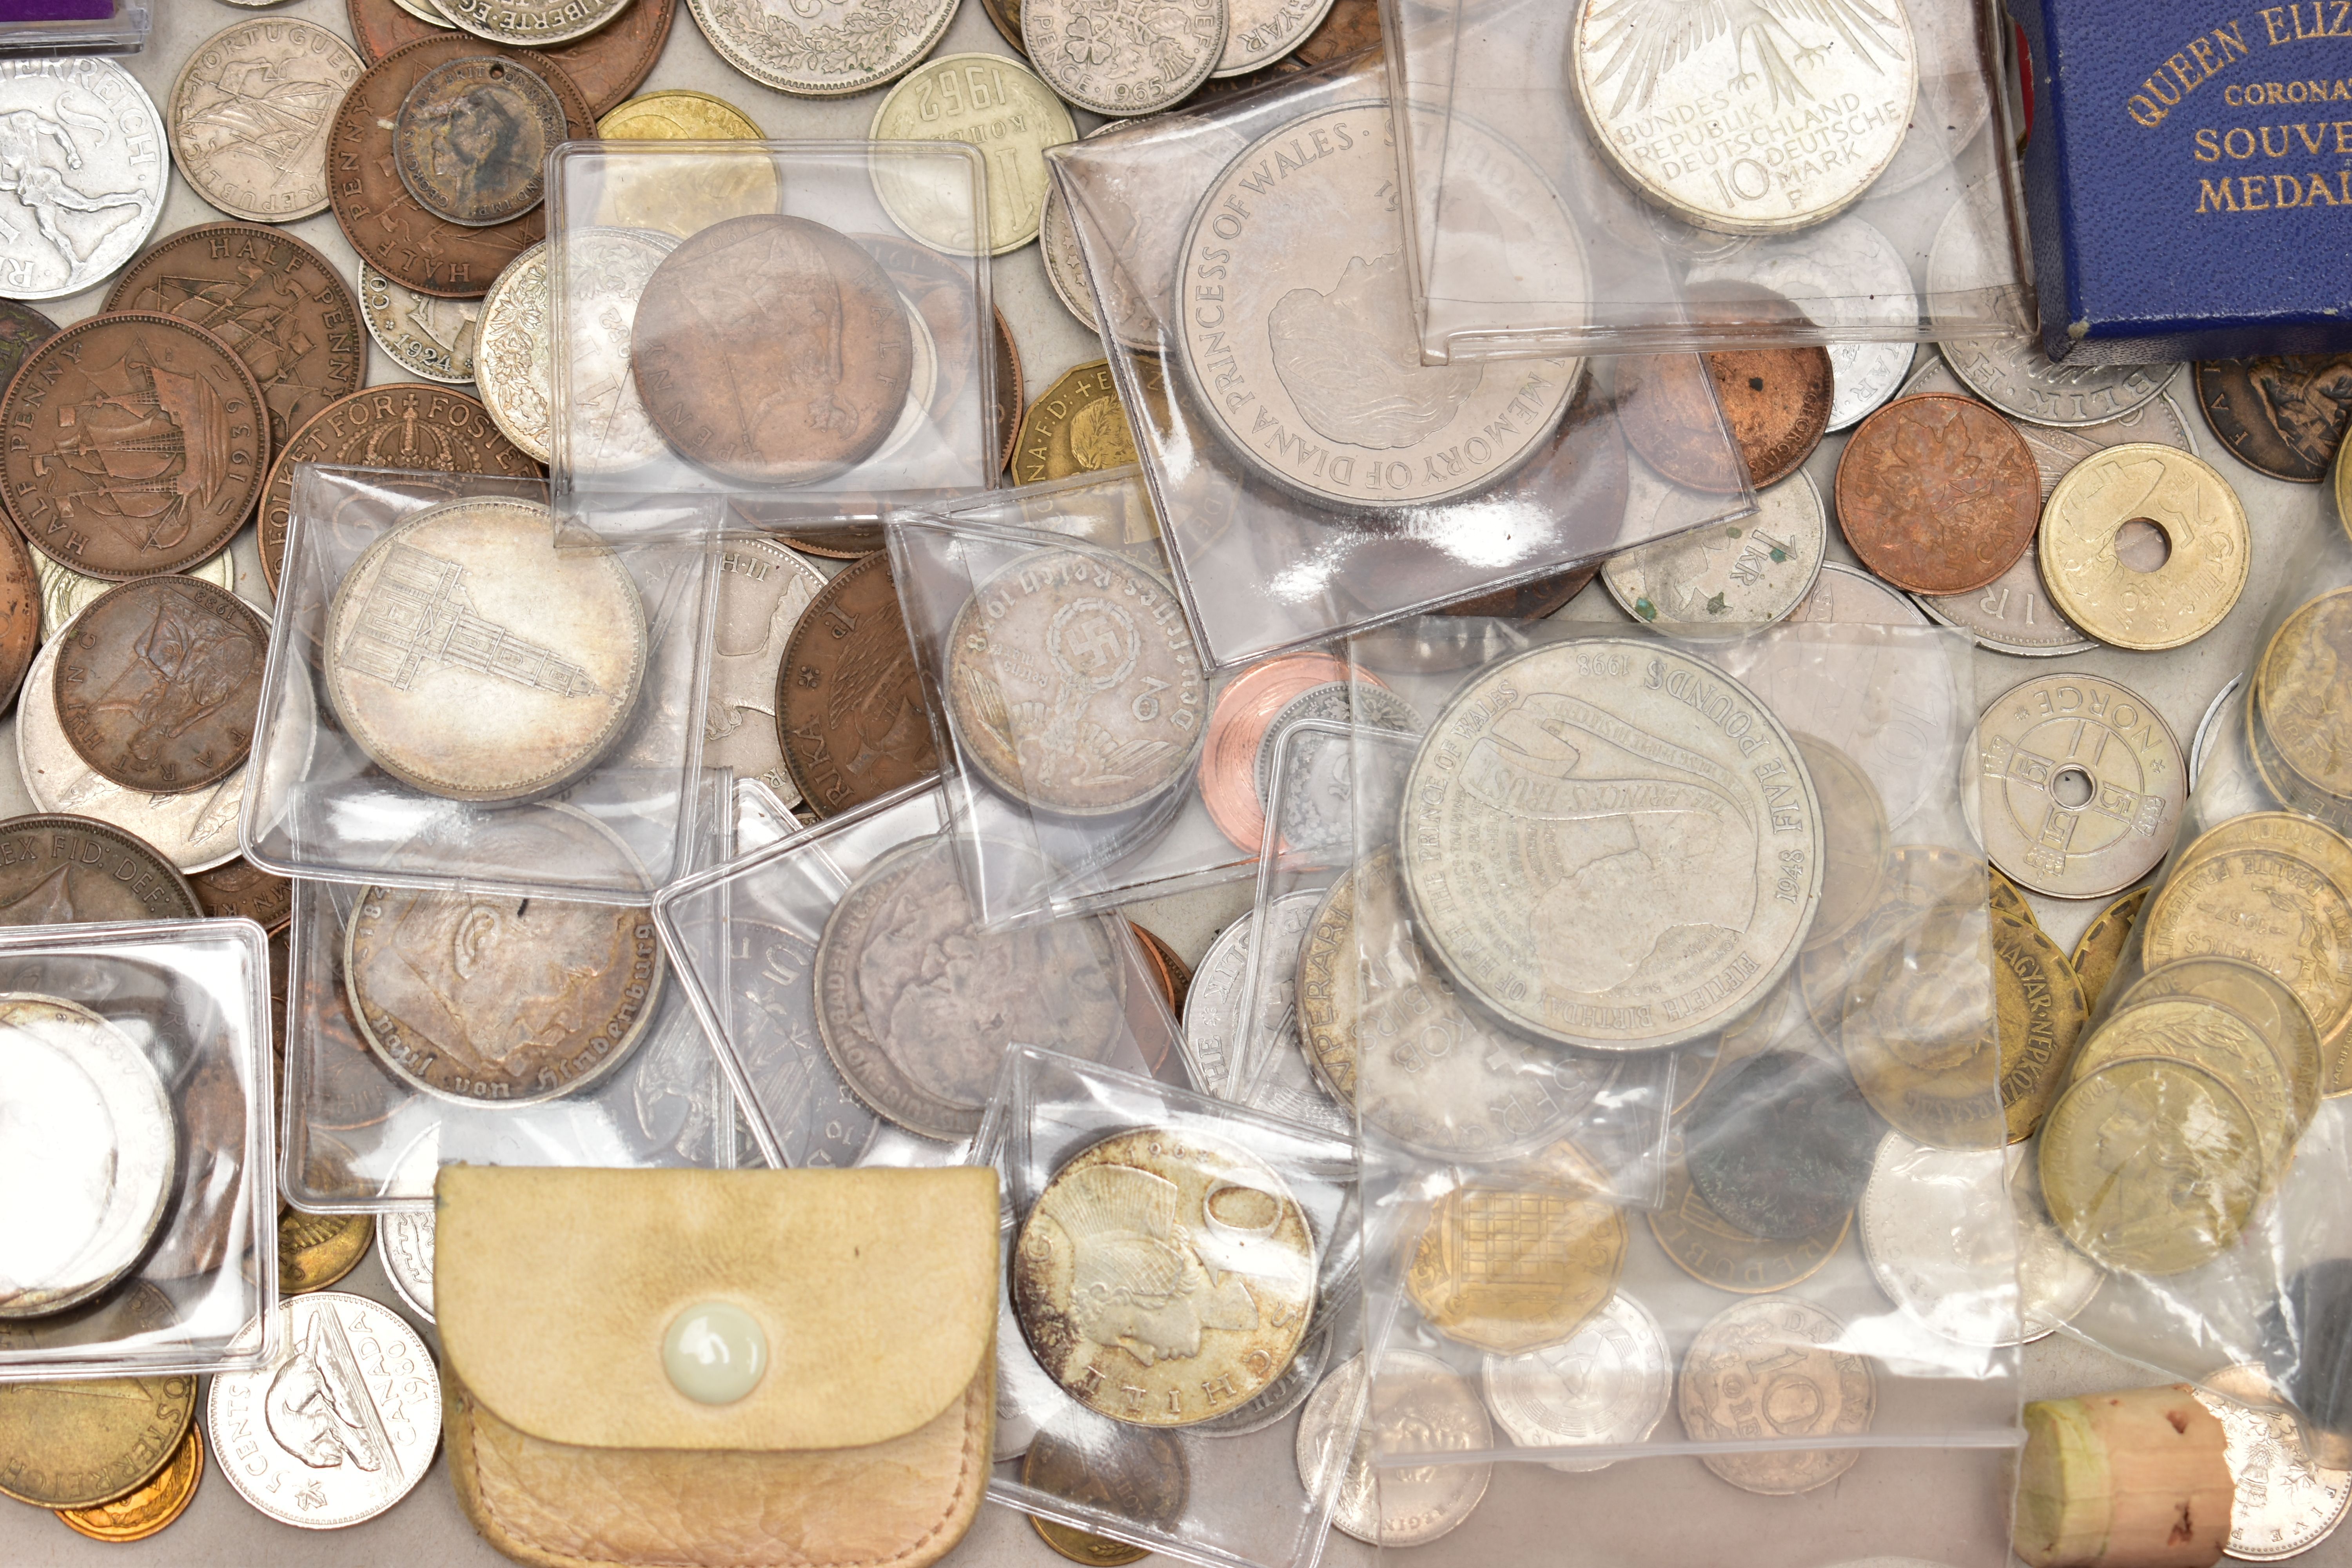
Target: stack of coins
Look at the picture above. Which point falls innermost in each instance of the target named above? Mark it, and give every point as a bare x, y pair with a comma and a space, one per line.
2294, 728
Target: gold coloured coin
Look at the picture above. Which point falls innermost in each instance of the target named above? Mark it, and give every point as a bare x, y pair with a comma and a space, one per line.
1516, 1266
989, 103
2099, 951
2285, 785
151, 1507
1078, 425
2039, 1003
683, 192
2342, 487
2261, 1000
314, 1250
1854, 840
2151, 1165
1782, 1361
2298, 695
2203, 524
2271, 887
75, 1444
2002, 895
2209, 1035
1713, 1251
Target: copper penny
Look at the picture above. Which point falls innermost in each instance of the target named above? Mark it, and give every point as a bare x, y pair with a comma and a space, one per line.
243, 889
849, 705
279, 306
1939, 494
472, 139
1666, 408
136, 443
1529, 601
22, 329
392, 232
159, 682
606, 66
1009, 400
2282, 415
20, 612
1777, 401
57, 869
412, 425
772, 351
1237, 723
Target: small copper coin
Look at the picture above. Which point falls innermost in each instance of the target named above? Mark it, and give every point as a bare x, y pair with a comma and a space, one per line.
20, 611
606, 66
159, 683
849, 704
1009, 391
242, 888
1939, 494
282, 308
2283, 416
22, 329
64, 870
472, 139
315, 1250
1777, 401
1238, 722
412, 425
136, 445
387, 226
148, 1509
1529, 601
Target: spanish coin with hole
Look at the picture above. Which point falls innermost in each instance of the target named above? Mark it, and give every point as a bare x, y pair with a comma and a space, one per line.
2203, 524
2078, 785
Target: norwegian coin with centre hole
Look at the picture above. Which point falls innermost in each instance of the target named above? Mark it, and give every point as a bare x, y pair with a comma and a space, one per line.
1781, 1362
403, 1243
1421, 1406
249, 116
1937, 494
2078, 787
2151, 1165
1609, 1384
535, 23
1547, 893
472, 137
2111, 596
1119, 60
2284, 415
602, 275
828, 51
425, 336
89, 169
1780, 1144
850, 714
2287, 1501
986, 101
159, 685
1733, 576
763, 591
1252, 1053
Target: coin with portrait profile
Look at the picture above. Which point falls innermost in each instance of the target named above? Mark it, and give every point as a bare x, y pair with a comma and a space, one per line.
471, 136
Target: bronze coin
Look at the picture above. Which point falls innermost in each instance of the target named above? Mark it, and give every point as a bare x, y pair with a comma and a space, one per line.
1667, 409
137, 444
242, 888
380, 26
20, 611
2283, 416
1529, 601
1348, 25
1939, 494
57, 869
849, 704
1130, 1472
472, 139
159, 684
389, 230
277, 304
606, 66
22, 329
1777, 401
1009, 393
412, 425
772, 351
1006, 15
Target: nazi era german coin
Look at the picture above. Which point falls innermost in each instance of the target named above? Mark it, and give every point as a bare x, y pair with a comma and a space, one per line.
1607, 1383
2078, 787
249, 116
849, 703
137, 445
1211, 1218
823, 52
151, 1507
1731, 575
89, 171
986, 101
425, 335
1124, 59
532, 23
1784, 1358
471, 658
1423, 1405
159, 684
1937, 494
75, 1444
2204, 526
472, 137
341, 1425
2284, 415
763, 591
57, 869
1549, 900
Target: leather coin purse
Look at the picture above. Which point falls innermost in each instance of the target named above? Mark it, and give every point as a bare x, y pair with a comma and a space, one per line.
736, 1368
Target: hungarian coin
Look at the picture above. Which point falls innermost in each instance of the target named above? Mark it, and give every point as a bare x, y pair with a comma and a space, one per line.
1522, 822
1119, 59
1922, 1213
315, 1250
2295, 693
2282, 415
917, 1004
1310, 328
823, 52
138, 442
1673, 103
472, 137
988, 102
1360, 701
2203, 525
413, 629
2079, 785
1713, 1252
340, 1424
24, 608
425, 336
723, 316
1847, 274
2220, 900
514, 355
1133, 1472
93, 1135
407, 426
1609, 1384
1214, 1221
1515, 1265
684, 195
2287, 1502
763, 591
90, 165
77, 1444
1735, 575
1240, 1017
604, 273
1780, 1144
2205, 1035
404, 1244
249, 116
2099, 951
1072, 684
1421, 1407
816, 1120
1854, 840
1776, 1363
531, 21
58, 870
849, 701
159, 684
2039, 1013
2261, 1000
2151, 1167
1260, 32
243, 889
1078, 425
151, 1507
1937, 494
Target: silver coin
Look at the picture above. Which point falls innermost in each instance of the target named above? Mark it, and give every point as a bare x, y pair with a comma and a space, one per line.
1132, 207
1027, 1394
683, 1106
1124, 58
1953, 105
2217, 714
2286, 1502
1334, 702
514, 354
1286, 1392
1726, 577
339, 1426
1611, 844
1922, 1222
822, 50
404, 1244
2078, 785
250, 113
426, 11
1260, 32
2054, 1282
425, 336
1673, 102
83, 153
1842, 274
1253, 1055
605, 270
816, 1121
1301, 324
1065, 259
534, 23
91, 1153
1811, 1384
66, 593
1424, 1407
763, 589
1609, 1382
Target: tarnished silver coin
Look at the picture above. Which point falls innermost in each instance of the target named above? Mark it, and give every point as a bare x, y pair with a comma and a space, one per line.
1609, 1382
1921, 1212
83, 153
1746, 127
534, 23
514, 354
340, 1424
1357, 702
822, 50
1843, 274
425, 336
1064, 255
1421, 1407
2217, 718
404, 1244
65, 593
1727, 576
2287, 1502
1118, 57
1783, 1358
2078, 787
816, 1121
1072, 684
604, 273
763, 589
1612, 844
1283, 1395
471, 139
1260, 32
1141, 287
250, 113
1253, 1055
1299, 313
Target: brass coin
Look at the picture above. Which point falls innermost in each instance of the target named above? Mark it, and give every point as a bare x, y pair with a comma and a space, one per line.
1522, 1263
2039, 1005
472, 137
2005, 898
1713, 1251
159, 685
1133, 1472
2209, 1035
151, 1507
2273, 888
77, 1444
2261, 1000
1921, 1037
2284, 784
1853, 839
2204, 527
1078, 425
2298, 693
314, 1250
2284, 415
2099, 952
683, 194
2151, 1165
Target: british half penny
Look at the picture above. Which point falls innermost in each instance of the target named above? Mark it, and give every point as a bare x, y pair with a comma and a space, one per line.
242, 888
2284, 414
849, 704
22, 329
1939, 494
159, 683
57, 869
137, 445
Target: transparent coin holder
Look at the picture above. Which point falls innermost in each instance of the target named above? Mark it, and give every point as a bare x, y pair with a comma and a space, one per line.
1837, 175
1331, 481
430, 632
803, 329
77, 28
145, 1046
1223, 1488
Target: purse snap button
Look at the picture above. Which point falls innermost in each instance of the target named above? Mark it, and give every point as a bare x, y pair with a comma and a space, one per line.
715, 1352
